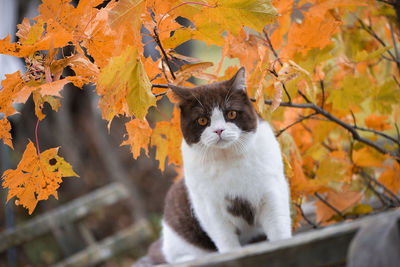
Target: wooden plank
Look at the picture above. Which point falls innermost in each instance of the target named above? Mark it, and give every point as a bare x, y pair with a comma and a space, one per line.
124, 240
72, 211
323, 247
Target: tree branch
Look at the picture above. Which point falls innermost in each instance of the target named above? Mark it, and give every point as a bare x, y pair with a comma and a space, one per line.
157, 39
329, 205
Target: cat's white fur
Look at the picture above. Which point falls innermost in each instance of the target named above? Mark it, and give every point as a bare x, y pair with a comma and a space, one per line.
246, 165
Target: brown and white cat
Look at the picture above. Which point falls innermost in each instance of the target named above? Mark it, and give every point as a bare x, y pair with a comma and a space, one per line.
234, 189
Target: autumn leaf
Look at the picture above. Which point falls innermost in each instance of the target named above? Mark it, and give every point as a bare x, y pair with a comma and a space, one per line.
195, 70
55, 36
12, 86
391, 177
40, 100
233, 15
5, 128
36, 177
377, 122
343, 200
167, 138
139, 133
367, 156
124, 87
333, 170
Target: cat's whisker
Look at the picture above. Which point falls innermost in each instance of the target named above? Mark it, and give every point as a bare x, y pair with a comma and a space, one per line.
198, 101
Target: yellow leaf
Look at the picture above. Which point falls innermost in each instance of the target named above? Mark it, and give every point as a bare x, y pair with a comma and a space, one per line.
5, 128
364, 55
139, 133
368, 157
333, 170
232, 15
180, 36
124, 86
36, 177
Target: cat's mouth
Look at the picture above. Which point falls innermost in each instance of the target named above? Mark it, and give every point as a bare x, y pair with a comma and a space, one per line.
222, 143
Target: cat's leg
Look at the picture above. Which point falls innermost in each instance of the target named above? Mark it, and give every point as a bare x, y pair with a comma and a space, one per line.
176, 249
275, 215
221, 231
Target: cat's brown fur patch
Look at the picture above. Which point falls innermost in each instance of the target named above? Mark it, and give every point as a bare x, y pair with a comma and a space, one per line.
240, 207
179, 216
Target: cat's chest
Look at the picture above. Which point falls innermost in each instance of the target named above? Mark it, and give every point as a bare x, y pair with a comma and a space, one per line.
243, 176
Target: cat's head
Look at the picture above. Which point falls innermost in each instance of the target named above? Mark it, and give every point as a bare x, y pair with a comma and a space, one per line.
217, 115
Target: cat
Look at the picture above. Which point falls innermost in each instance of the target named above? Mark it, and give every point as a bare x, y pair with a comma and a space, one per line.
234, 190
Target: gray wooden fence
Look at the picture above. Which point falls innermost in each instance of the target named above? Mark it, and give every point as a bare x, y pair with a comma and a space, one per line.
60, 223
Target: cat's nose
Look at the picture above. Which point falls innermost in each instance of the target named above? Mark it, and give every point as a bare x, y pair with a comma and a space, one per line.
219, 131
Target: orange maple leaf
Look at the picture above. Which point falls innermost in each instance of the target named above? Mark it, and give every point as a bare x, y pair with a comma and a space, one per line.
139, 133
340, 200
36, 177
5, 128
167, 138
377, 122
12, 85
368, 156
391, 177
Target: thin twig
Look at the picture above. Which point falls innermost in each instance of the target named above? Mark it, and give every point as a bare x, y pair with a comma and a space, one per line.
271, 47
378, 133
329, 205
363, 173
354, 118
160, 94
157, 39
294, 123
396, 51
369, 30
154, 85
315, 226
382, 198
280, 62
395, 79
321, 82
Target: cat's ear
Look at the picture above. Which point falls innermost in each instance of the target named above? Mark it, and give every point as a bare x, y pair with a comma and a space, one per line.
181, 93
239, 80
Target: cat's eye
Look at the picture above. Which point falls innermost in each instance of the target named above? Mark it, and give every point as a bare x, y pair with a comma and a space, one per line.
202, 121
231, 114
